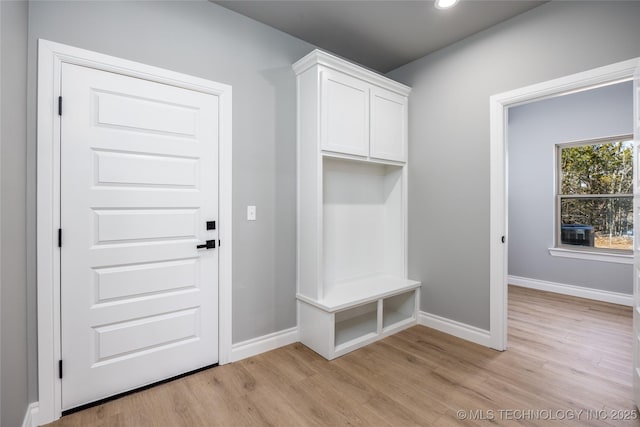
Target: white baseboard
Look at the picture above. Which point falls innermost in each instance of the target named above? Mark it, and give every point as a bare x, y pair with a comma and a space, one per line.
576, 291
31, 417
455, 328
268, 342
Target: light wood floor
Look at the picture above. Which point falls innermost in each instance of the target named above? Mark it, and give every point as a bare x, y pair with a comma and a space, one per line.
565, 354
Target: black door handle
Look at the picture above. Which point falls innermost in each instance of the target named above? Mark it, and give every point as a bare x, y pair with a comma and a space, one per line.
209, 244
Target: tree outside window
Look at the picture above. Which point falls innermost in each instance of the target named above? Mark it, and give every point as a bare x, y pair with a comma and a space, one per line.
595, 194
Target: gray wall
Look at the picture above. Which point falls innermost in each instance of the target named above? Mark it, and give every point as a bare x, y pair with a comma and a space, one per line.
449, 135
533, 132
13, 290
206, 40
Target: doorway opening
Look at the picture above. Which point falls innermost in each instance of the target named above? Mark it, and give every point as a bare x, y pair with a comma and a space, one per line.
570, 193
499, 105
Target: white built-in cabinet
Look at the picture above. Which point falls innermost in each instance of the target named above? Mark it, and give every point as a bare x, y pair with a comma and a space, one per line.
352, 285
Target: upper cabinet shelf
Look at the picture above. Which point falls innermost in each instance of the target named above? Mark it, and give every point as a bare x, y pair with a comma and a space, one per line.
361, 114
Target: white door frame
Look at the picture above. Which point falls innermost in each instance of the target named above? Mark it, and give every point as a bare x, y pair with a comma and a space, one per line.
498, 173
51, 56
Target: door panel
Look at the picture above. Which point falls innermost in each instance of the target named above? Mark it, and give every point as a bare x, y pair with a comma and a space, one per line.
136, 336
115, 283
139, 180
145, 115
121, 225
143, 170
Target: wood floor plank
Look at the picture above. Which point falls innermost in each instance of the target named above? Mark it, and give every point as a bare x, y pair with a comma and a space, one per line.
565, 354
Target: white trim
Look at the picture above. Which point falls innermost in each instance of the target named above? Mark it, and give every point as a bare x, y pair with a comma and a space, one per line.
225, 213
1, 209
498, 105
50, 58
265, 343
572, 290
31, 416
455, 328
498, 250
592, 256
593, 141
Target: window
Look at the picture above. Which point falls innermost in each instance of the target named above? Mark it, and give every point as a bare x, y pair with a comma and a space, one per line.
595, 195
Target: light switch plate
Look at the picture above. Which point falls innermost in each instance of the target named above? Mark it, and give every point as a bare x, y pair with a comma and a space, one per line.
251, 213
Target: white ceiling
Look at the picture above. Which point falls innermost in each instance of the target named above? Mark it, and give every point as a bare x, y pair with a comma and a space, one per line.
380, 34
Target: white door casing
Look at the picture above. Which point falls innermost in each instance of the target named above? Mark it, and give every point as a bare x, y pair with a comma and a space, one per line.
139, 181
636, 237
51, 59
498, 105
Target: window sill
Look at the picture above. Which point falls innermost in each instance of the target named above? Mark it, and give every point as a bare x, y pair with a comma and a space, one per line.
592, 256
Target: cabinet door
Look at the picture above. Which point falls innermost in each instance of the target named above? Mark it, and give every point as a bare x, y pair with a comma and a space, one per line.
344, 114
388, 125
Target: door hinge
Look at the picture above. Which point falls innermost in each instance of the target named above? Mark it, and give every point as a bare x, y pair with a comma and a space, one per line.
59, 237
59, 105
60, 368
503, 239
218, 243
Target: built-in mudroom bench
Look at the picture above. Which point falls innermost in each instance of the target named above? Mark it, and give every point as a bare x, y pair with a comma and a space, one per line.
352, 285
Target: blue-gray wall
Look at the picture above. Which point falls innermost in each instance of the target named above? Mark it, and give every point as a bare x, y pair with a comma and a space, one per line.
14, 396
449, 134
533, 132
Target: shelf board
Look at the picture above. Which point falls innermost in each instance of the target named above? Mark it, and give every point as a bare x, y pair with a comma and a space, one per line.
355, 292
398, 325
398, 309
365, 159
398, 322
356, 329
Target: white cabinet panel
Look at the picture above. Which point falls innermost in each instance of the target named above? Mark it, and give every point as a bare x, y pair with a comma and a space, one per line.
362, 119
388, 125
345, 114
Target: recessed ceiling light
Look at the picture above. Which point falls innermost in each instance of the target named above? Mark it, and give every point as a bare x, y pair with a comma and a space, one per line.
445, 4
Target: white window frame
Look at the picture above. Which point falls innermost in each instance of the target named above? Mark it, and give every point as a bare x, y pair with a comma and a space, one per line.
583, 252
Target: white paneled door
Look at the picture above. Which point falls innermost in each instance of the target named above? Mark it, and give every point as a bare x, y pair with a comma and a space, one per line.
139, 193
